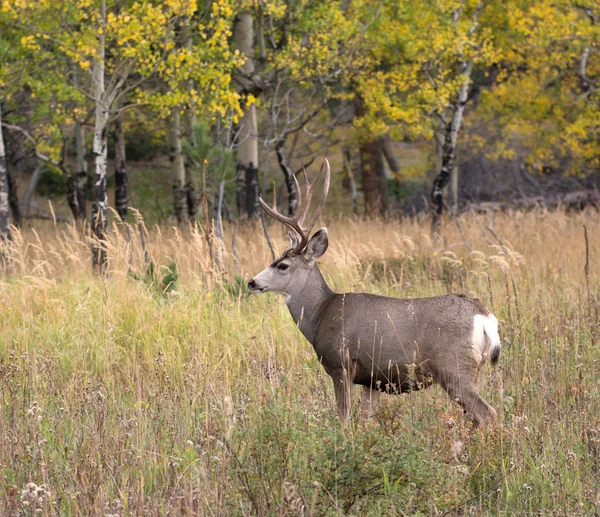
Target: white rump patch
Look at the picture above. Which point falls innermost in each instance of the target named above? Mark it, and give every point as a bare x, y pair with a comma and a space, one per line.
485, 336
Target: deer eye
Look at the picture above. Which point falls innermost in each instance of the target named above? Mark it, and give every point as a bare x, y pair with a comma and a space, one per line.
282, 267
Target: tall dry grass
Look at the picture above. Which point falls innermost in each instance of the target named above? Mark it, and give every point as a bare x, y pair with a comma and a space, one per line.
170, 391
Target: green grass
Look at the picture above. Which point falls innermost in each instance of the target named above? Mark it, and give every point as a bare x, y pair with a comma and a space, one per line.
123, 399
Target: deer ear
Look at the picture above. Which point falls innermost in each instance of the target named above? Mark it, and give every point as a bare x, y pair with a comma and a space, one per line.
317, 245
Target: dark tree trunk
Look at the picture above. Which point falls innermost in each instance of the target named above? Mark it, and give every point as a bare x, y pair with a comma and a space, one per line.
72, 196
350, 175
252, 206
77, 181
77, 194
121, 179
247, 188
81, 186
77, 184
247, 191
180, 202
240, 190
388, 152
80, 179
30, 190
394, 167
373, 173
194, 193
193, 196
13, 199
290, 184
374, 182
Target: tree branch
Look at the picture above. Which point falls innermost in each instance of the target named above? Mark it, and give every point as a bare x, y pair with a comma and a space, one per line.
32, 140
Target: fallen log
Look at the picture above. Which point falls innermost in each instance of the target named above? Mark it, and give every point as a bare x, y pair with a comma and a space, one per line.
577, 200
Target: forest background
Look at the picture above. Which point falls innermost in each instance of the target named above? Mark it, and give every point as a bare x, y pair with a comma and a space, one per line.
159, 104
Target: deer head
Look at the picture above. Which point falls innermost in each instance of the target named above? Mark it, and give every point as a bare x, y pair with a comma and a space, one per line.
290, 271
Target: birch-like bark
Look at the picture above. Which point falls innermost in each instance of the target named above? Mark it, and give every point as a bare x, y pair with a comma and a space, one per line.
247, 151
448, 157
100, 198
4, 206
178, 169
449, 151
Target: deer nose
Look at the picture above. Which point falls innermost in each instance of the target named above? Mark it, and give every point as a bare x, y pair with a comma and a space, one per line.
252, 284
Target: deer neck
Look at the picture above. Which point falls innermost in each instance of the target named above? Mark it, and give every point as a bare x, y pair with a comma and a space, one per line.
308, 301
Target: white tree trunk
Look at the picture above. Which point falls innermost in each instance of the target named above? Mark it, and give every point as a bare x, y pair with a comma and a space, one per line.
448, 156
4, 206
454, 189
247, 151
80, 144
449, 150
178, 168
100, 203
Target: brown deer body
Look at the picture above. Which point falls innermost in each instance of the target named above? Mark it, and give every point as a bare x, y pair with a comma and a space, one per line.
384, 344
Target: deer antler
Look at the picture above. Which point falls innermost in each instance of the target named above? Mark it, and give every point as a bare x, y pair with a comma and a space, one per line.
296, 223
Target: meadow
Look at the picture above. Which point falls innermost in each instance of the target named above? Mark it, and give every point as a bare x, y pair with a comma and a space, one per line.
162, 388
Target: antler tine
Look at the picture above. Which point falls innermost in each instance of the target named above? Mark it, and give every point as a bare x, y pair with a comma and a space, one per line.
323, 198
309, 193
298, 194
296, 223
290, 222
305, 174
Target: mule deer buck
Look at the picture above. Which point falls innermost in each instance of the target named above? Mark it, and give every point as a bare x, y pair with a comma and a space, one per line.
380, 343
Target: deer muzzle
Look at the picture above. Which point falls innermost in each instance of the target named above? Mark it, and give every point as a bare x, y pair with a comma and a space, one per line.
255, 288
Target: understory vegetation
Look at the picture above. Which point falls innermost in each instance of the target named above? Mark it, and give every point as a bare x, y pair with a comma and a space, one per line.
164, 389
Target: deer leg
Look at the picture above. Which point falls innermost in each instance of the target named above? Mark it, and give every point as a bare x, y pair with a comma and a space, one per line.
368, 402
465, 394
342, 387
